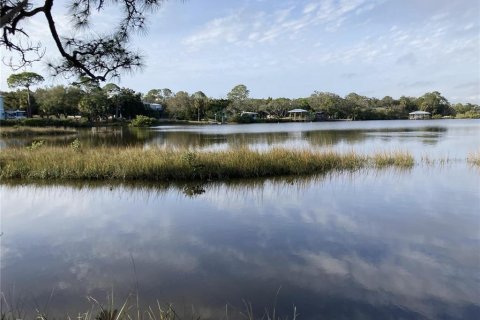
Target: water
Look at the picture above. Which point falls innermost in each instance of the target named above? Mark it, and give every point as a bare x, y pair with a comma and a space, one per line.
386, 244
440, 138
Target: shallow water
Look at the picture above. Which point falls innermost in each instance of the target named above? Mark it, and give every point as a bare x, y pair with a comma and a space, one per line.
438, 138
385, 244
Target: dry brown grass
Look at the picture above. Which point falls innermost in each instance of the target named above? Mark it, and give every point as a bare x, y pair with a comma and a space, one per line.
133, 163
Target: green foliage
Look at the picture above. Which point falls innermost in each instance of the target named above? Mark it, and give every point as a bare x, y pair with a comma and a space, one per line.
142, 121
59, 100
245, 118
36, 145
76, 145
95, 105
239, 98
24, 79
181, 106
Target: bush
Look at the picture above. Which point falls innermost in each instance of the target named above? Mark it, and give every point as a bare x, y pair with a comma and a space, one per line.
143, 121
243, 119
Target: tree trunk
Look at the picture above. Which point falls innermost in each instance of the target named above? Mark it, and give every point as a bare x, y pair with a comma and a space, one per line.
29, 107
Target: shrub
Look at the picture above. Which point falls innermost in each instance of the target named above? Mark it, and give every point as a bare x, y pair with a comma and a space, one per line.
142, 121
36, 145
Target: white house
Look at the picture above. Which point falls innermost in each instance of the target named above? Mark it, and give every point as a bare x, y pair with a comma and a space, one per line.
419, 115
298, 114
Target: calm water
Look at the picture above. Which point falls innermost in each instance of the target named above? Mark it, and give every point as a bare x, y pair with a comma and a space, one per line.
440, 138
384, 244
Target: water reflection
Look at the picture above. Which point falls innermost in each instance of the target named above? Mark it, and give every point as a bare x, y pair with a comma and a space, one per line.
442, 137
371, 244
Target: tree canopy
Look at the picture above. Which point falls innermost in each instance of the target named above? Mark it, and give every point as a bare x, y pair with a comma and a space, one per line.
95, 56
24, 80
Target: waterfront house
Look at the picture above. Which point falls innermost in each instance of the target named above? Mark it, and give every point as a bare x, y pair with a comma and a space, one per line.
419, 115
252, 115
298, 114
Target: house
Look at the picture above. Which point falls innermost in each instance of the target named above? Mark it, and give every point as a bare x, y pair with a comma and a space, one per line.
298, 114
253, 115
153, 106
419, 115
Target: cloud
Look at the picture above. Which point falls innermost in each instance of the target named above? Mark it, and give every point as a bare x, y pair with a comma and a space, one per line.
416, 84
245, 28
408, 59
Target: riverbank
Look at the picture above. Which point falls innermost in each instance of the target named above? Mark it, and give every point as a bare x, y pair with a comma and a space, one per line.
11, 132
131, 163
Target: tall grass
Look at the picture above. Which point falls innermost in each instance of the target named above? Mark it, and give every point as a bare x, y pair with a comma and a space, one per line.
474, 158
133, 163
130, 309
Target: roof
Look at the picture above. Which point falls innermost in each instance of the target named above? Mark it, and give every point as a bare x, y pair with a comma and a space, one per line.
420, 112
248, 112
297, 110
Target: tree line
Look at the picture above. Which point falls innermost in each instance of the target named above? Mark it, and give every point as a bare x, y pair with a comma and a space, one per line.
95, 103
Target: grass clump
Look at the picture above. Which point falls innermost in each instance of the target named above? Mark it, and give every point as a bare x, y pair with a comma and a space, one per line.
474, 159
134, 163
398, 159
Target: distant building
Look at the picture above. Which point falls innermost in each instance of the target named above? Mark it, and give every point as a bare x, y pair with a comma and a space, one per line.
153, 106
253, 115
419, 115
298, 114
17, 114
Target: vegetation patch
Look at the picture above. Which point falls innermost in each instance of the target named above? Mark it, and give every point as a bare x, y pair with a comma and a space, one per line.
474, 159
143, 121
31, 131
132, 163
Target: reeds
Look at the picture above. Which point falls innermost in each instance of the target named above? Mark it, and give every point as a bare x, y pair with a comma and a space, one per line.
133, 163
474, 158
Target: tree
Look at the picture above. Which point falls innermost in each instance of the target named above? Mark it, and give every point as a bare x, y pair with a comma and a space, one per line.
435, 103
112, 91
129, 103
94, 105
25, 80
238, 97
153, 96
59, 100
96, 56
330, 103
181, 106
199, 101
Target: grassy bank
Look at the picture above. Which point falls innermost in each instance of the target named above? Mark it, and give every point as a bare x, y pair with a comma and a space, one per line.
10, 132
131, 163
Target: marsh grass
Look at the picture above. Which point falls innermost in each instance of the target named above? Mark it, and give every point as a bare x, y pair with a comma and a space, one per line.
399, 159
474, 158
130, 309
7, 132
133, 163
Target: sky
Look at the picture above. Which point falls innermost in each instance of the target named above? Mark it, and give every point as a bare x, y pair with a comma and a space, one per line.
286, 48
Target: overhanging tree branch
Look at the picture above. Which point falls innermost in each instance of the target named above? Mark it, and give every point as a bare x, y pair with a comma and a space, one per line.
98, 58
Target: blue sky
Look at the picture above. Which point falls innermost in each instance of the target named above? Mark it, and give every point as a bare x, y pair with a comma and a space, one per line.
291, 48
